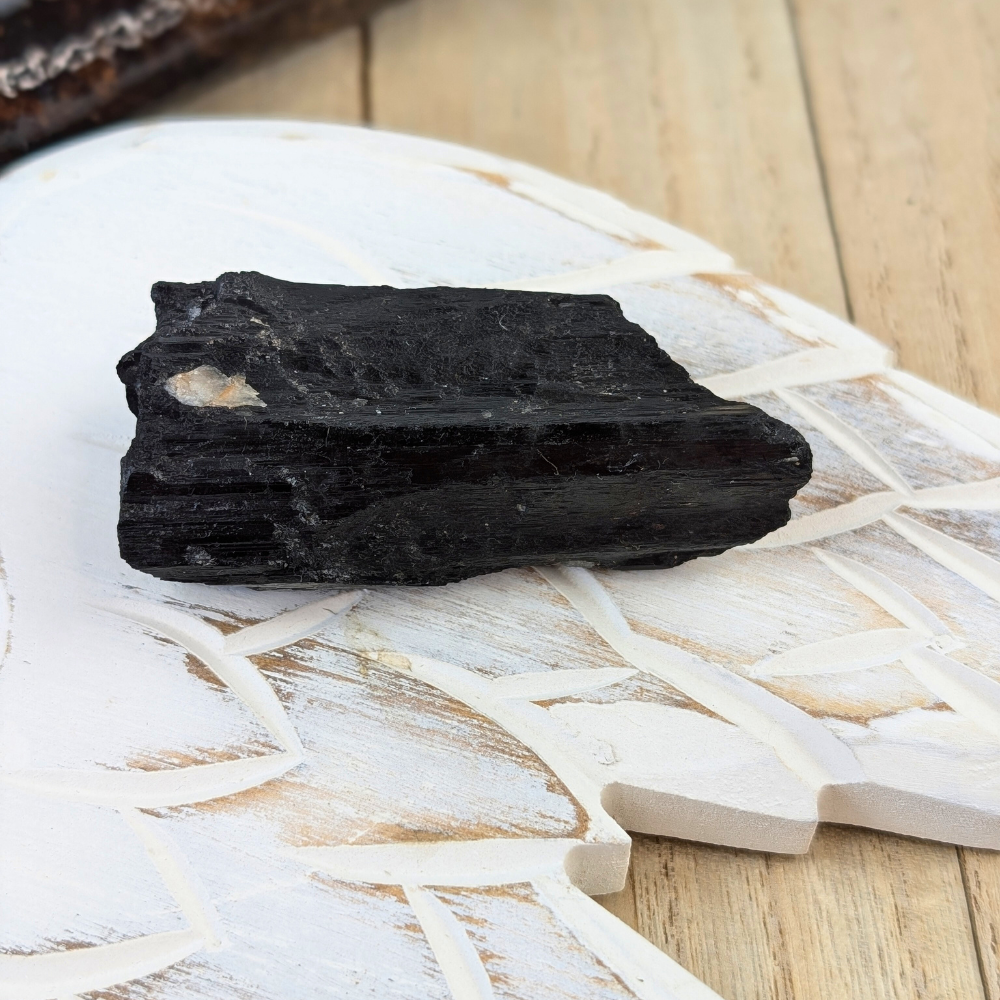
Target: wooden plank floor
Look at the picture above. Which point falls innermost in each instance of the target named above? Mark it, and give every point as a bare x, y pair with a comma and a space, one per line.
848, 150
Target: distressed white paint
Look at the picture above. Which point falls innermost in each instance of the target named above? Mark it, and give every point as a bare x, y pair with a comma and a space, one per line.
534, 727
803, 745
817, 364
151, 789
984, 495
979, 569
846, 652
650, 265
964, 417
80, 970
236, 672
484, 735
846, 437
466, 863
179, 877
832, 521
661, 780
348, 254
284, 629
964, 689
557, 684
646, 970
461, 965
890, 595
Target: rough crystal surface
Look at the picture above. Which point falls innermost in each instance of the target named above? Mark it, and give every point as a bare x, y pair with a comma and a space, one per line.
292, 434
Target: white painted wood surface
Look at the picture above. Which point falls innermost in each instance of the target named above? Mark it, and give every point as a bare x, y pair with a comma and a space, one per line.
214, 792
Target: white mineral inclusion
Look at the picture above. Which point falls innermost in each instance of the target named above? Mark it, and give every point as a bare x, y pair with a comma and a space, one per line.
207, 386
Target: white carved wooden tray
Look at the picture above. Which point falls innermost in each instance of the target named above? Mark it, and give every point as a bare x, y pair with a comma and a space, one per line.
221, 793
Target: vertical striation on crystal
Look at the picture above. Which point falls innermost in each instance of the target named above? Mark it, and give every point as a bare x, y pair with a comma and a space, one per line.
293, 434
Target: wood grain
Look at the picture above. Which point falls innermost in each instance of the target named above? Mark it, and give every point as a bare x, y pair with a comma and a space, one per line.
696, 111
907, 116
981, 873
691, 110
904, 98
318, 81
758, 925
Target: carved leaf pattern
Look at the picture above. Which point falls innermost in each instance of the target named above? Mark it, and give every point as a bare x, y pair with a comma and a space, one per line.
558, 869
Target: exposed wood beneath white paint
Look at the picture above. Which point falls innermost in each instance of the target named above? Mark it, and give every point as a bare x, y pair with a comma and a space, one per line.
462, 759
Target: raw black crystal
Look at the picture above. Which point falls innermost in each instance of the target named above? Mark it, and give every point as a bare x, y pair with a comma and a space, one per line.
292, 434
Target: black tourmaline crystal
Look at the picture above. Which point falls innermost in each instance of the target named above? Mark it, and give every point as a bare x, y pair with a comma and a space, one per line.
292, 434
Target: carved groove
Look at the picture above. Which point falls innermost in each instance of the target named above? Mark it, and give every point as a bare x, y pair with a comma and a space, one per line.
802, 743
837, 352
